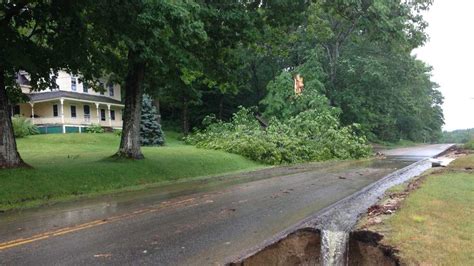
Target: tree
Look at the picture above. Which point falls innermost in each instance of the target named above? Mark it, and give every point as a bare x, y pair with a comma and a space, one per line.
144, 40
150, 130
229, 26
248, 45
39, 37
335, 24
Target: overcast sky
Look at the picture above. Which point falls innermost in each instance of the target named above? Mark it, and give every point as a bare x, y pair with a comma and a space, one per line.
450, 51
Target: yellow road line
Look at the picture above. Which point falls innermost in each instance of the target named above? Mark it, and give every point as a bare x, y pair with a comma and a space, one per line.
71, 229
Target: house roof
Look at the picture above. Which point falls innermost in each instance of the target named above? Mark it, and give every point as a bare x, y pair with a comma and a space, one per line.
51, 95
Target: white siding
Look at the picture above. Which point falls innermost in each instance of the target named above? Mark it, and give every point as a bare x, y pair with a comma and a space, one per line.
64, 82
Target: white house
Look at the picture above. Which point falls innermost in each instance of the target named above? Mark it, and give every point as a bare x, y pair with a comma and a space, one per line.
72, 107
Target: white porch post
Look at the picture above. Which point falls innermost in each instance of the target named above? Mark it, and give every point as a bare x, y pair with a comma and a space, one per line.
32, 112
98, 115
62, 114
110, 117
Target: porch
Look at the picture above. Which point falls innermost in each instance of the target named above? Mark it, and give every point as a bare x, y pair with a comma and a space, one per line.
72, 115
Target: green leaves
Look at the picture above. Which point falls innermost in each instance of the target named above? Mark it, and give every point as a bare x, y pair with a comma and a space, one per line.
311, 135
281, 101
23, 127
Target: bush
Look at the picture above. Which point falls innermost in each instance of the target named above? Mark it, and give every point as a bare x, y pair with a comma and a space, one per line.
95, 128
309, 136
23, 127
469, 145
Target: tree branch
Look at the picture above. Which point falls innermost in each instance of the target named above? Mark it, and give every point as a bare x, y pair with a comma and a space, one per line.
15, 10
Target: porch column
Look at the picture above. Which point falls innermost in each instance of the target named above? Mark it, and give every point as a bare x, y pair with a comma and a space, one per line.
62, 114
98, 115
32, 112
110, 116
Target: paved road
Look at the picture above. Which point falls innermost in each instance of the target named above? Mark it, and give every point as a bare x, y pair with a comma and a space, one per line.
199, 222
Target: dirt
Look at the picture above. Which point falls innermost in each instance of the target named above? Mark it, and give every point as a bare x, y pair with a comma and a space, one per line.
365, 249
302, 247
377, 213
454, 152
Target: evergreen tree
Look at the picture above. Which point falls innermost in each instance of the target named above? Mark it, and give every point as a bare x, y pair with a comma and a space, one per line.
150, 130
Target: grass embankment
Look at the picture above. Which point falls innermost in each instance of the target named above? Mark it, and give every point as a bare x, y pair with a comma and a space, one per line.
70, 165
435, 223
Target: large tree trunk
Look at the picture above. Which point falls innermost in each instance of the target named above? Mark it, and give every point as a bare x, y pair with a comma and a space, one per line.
130, 142
9, 156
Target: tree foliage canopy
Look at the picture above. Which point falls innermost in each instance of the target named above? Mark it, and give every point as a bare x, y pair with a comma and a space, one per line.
201, 57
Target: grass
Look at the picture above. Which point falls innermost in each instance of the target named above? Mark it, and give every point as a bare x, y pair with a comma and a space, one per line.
435, 224
71, 165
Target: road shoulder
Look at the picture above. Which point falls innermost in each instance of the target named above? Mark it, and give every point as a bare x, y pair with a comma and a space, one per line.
425, 221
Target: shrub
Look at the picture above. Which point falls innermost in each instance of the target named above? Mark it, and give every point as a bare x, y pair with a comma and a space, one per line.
95, 128
117, 132
309, 136
23, 127
469, 145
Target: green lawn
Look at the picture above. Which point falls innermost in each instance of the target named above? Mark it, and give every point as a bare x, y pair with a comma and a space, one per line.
69, 165
435, 224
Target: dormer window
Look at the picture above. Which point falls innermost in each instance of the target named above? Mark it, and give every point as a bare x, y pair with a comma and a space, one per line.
73, 84
101, 85
85, 88
111, 89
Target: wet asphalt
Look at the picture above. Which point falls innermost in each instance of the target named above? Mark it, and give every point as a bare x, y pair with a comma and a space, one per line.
200, 222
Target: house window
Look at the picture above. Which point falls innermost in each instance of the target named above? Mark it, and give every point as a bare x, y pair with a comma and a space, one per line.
102, 114
85, 88
87, 113
112, 115
73, 84
55, 110
111, 89
73, 111
16, 110
101, 86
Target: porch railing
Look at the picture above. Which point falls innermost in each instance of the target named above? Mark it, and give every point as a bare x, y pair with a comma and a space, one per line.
84, 120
